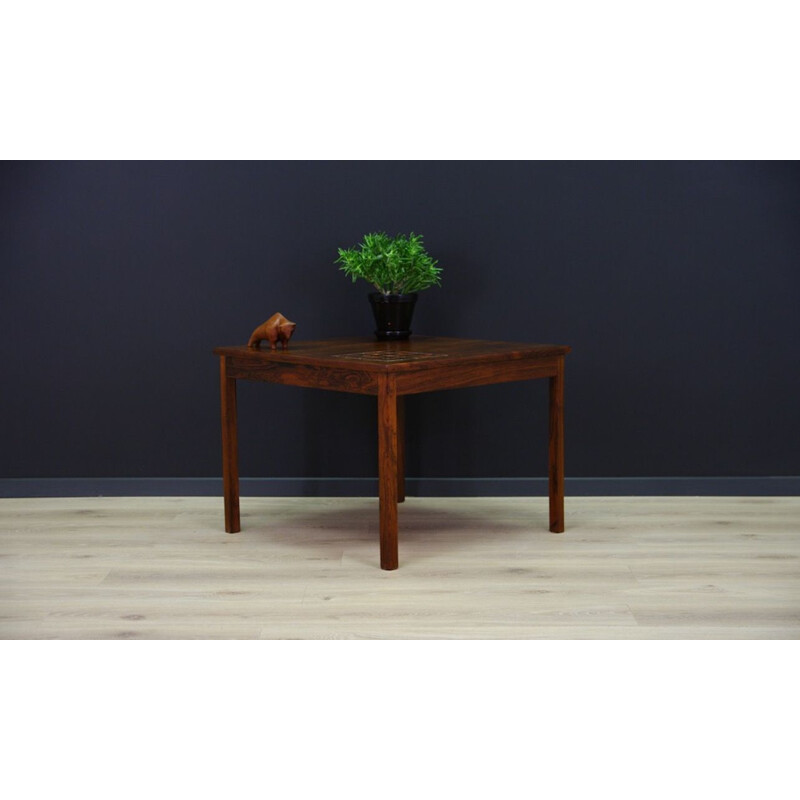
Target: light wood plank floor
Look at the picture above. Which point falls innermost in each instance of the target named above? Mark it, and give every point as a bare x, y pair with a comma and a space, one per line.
477, 568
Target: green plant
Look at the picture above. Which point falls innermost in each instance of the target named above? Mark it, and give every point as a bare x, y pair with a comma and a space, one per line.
393, 265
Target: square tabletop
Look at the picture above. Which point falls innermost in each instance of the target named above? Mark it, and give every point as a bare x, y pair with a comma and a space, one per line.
419, 364
418, 352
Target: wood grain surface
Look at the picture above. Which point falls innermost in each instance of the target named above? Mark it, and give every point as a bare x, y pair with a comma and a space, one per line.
424, 352
388, 467
473, 568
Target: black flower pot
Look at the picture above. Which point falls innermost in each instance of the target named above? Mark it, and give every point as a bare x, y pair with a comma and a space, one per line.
393, 314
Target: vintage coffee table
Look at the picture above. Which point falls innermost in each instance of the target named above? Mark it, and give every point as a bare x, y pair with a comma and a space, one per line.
391, 370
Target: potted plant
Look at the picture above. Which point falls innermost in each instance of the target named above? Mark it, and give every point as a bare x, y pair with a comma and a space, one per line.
398, 267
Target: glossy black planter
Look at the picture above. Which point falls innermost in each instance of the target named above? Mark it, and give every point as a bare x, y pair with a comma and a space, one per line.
393, 314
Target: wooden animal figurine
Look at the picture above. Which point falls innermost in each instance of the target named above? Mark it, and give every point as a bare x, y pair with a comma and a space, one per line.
276, 329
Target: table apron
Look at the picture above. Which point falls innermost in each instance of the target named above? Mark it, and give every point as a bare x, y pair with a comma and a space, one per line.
339, 380
460, 376
454, 376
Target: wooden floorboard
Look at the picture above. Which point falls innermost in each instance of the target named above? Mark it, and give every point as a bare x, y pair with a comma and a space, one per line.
470, 568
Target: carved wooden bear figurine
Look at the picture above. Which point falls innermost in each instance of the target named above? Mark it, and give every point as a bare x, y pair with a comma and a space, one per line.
276, 328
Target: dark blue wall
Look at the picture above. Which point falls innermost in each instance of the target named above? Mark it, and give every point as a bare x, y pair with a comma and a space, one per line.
677, 285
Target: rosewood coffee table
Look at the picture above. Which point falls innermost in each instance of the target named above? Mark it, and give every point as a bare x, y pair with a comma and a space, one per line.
391, 370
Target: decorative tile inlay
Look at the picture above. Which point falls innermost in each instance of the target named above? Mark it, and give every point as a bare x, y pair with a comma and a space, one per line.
390, 356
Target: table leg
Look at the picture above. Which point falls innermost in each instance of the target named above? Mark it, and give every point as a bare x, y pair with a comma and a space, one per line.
401, 449
388, 469
230, 449
556, 450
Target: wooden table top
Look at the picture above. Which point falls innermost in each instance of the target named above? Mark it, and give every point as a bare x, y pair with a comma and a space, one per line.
419, 352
